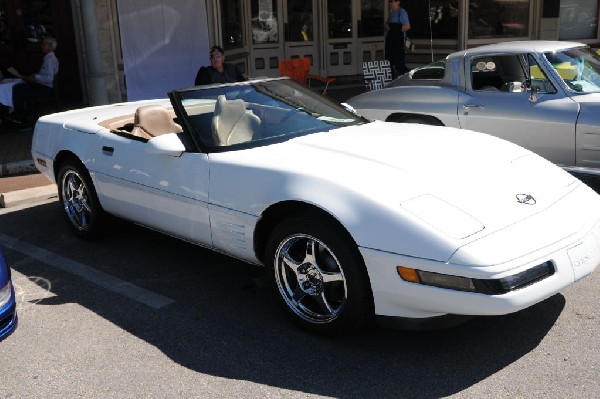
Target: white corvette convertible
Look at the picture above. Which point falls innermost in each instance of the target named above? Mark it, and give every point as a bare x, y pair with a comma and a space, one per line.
414, 224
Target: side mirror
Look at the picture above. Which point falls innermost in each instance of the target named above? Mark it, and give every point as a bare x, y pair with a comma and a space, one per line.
167, 144
533, 93
531, 89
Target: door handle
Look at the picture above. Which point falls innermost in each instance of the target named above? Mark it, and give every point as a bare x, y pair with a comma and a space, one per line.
107, 150
467, 106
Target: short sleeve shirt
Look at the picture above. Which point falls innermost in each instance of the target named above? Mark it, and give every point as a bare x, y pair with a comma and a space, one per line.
399, 16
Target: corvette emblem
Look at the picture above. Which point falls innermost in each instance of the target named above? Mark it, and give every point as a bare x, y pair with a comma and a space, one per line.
525, 199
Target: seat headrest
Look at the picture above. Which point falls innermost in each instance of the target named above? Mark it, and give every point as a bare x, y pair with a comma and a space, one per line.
232, 123
154, 120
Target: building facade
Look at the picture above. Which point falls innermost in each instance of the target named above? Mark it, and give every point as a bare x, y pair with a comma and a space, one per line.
255, 34
339, 36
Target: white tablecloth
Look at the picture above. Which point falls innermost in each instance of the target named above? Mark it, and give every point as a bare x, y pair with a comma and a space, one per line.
6, 86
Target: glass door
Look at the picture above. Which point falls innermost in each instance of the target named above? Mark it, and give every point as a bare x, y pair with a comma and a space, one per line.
282, 29
267, 38
301, 34
371, 18
340, 32
354, 33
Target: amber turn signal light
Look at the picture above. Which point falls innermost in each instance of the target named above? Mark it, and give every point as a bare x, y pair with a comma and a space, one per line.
408, 274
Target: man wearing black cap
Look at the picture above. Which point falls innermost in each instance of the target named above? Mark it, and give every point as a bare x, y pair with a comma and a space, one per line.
219, 71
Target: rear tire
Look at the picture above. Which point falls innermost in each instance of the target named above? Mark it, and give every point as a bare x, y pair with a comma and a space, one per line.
319, 275
78, 198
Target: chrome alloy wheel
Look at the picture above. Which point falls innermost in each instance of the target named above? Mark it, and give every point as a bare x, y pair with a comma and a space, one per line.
310, 278
75, 196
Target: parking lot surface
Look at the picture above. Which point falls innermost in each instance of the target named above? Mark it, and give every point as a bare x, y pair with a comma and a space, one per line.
140, 314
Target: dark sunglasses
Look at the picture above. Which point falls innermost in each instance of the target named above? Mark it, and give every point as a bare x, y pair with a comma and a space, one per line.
216, 55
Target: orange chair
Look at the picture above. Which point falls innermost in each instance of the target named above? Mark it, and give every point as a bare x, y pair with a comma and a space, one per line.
298, 69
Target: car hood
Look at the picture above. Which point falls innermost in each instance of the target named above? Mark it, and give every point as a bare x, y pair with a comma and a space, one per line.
457, 183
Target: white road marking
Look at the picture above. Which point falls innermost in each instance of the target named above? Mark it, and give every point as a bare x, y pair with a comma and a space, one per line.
111, 283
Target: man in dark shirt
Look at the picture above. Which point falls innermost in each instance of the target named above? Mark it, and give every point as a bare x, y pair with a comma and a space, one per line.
219, 71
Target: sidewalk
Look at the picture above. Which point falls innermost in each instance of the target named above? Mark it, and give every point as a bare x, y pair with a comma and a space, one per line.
20, 181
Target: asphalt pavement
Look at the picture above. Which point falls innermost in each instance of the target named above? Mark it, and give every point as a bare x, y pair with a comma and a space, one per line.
21, 182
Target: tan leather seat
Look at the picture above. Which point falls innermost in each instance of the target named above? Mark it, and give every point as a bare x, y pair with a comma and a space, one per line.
232, 123
153, 120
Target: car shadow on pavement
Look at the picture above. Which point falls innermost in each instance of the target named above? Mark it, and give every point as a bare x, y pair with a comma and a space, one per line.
225, 322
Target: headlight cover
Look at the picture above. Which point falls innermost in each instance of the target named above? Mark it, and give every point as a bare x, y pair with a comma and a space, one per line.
481, 286
5, 294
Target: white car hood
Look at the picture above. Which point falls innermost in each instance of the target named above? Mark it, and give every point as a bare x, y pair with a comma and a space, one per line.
477, 173
458, 182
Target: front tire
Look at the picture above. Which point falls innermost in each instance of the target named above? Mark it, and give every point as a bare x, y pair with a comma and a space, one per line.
78, 198
319, 276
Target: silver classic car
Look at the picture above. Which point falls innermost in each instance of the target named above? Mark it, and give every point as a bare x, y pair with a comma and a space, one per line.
542, 95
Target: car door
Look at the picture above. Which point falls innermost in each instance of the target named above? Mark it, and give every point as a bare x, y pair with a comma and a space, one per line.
496, 102
163, 191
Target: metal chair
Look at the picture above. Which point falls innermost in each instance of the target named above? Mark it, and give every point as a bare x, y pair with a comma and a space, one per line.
299, 68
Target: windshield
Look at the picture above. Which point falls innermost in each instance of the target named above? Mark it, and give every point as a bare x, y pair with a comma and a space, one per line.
258, 112
578, 67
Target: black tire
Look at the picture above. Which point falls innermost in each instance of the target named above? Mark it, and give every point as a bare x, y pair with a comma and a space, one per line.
78, 199
323, 286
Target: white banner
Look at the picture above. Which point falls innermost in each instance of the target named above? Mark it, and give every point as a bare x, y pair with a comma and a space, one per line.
164, 43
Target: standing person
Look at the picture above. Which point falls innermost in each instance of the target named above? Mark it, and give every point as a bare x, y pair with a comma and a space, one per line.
38, 86
219, 71
395, 34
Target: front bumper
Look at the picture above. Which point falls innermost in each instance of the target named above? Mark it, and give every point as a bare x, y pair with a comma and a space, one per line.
8, 317
573, 258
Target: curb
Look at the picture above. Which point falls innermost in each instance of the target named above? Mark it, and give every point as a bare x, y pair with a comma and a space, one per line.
28, 195
18, 168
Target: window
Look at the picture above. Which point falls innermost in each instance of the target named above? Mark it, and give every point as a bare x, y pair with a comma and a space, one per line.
579, 68
37, 17
6, 32
371, 21
231, 14
339, 19
578, 19
498, 18
506, 73
300, 21
485, 74
434, 71
539, 80
264, 22
444, 19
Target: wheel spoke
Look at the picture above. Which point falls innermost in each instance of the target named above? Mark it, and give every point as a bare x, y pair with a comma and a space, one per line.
83, 217
310, 252
86, 206
71, 188
324, 304
289, 261
299, 294
329, 277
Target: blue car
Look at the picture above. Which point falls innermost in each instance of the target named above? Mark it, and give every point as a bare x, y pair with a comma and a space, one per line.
8, 307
